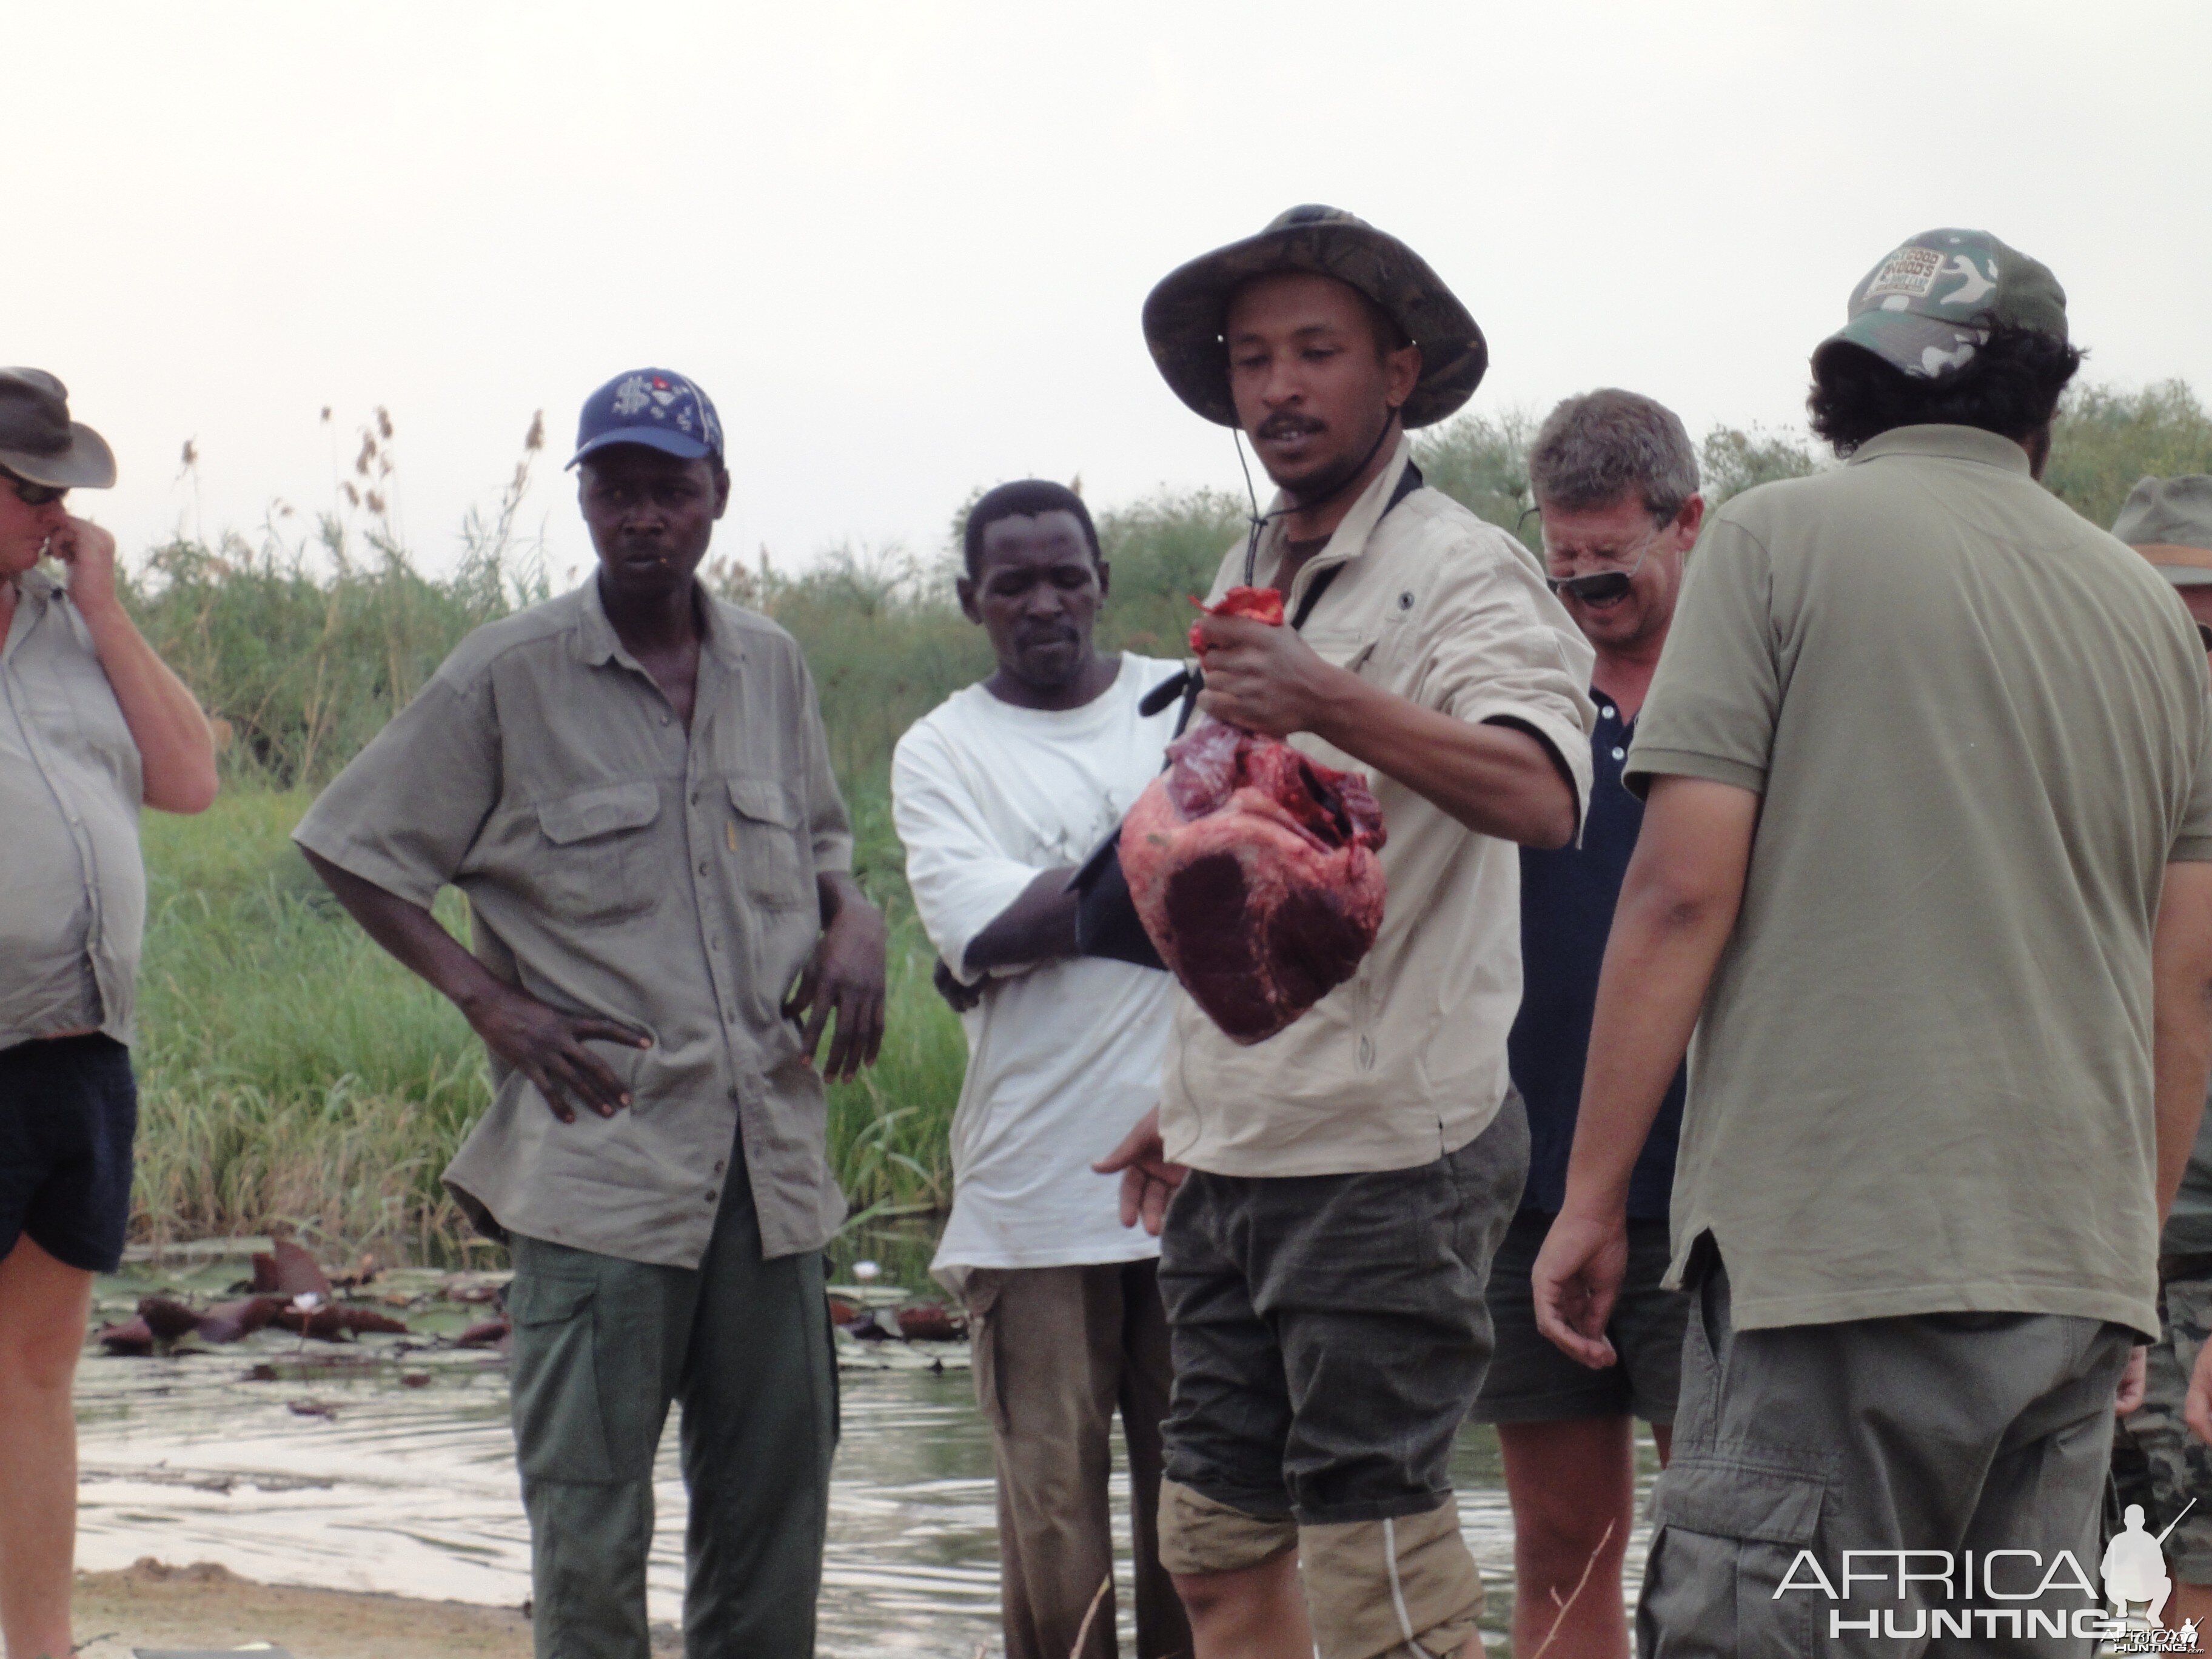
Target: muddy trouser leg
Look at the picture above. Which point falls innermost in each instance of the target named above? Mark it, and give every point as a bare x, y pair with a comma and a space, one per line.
1047, 1353
597, 1346
760, 1425
1163, 1627
1937, 1432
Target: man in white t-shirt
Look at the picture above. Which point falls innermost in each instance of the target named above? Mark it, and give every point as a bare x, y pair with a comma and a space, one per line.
998, 793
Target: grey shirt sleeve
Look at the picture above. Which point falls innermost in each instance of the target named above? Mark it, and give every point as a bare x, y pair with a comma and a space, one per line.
405, 812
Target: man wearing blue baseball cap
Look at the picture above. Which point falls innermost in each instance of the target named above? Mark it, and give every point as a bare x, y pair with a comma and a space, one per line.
631, 785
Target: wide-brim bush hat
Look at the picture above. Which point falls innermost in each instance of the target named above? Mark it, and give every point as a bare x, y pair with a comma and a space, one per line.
39, 442
2169, 522
1184, 315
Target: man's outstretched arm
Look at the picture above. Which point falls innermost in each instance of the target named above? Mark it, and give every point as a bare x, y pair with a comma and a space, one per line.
1678, 906
542, 1043
1497, 780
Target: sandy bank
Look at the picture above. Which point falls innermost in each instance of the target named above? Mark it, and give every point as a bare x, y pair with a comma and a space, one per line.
206, 1606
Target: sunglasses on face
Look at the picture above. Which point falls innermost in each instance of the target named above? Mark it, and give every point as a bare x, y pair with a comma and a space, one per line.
34, 494
1604, 586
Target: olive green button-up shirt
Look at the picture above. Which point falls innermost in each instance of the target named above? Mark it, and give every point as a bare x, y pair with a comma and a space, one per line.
614, 866
73, 902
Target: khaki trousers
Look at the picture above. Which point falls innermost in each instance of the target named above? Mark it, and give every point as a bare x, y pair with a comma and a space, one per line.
1057, 1350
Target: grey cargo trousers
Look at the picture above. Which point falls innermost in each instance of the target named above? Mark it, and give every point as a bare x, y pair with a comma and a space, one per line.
1938, 1433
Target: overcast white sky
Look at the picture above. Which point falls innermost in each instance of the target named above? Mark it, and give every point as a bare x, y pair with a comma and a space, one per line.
903, 246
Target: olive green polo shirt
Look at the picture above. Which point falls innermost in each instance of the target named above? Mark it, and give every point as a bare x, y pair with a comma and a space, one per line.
616, 865
1922, 1081
73, 901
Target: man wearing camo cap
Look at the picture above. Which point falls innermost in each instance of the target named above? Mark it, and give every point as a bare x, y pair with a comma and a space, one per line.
1927, 864
2155, 1462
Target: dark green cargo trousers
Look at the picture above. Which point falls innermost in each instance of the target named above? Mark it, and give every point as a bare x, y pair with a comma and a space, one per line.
601, 1346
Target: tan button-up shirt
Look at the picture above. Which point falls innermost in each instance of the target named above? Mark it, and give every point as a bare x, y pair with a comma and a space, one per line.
73, 902
615, 866
1404, 1061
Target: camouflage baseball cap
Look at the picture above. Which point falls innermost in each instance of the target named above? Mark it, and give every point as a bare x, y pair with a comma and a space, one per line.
1184, 316
2169, 522
1927, 306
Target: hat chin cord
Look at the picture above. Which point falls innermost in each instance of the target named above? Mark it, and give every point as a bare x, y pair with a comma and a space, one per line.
1260, 520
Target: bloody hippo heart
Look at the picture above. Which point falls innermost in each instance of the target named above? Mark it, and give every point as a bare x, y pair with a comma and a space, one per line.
1254, 868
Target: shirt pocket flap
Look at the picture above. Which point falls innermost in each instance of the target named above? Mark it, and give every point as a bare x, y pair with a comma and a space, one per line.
1772, 1498
600, 812
548, 1301
765, 801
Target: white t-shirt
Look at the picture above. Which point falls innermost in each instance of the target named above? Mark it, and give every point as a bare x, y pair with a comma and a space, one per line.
1063, 1058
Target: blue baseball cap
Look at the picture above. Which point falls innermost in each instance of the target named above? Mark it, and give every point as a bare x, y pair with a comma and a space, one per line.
656, 407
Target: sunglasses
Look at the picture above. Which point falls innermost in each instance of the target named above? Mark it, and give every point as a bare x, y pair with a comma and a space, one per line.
34, 494
1604, 586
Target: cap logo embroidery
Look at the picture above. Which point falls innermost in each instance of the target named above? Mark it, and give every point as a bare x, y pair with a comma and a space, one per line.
631, 395
1910, 272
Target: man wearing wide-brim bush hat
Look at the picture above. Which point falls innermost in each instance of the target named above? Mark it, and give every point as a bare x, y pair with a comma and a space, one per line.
94, 727
1340, 1187
2169, 522
1184, 316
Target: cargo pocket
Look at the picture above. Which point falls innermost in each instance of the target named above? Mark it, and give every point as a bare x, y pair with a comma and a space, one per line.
764, 835
553, 1382
1728, 1523
599, 866
980, 1294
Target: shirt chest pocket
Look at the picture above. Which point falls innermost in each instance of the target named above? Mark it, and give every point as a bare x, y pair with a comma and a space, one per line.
599, 863
773, 868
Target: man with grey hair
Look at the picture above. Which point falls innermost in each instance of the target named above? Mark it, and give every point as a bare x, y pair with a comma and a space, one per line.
1616, 485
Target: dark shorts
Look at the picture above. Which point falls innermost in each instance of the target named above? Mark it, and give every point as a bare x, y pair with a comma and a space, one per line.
67, 1110
1531, 1381
1329, 1332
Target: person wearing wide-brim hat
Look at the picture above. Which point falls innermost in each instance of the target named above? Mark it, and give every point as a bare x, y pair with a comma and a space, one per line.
1340, 1187
2156, 1460
2169, 522
93, 726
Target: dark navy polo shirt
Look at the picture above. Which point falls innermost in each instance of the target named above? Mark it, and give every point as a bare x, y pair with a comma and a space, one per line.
1566, 910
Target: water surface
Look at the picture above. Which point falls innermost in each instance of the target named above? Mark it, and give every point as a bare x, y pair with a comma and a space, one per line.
411, 1489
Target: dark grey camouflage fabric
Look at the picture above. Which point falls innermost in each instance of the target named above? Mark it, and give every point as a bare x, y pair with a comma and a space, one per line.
1184, 315
1925, 308
2157, 1462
